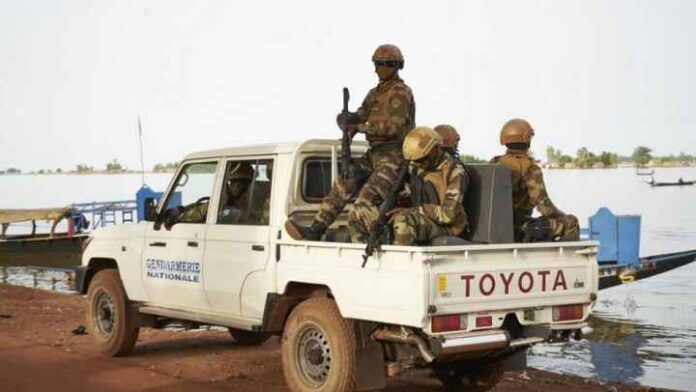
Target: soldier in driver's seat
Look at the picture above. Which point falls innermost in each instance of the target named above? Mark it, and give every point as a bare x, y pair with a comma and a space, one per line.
236, 195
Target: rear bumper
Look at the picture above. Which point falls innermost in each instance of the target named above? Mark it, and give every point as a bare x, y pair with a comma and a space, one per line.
495, 340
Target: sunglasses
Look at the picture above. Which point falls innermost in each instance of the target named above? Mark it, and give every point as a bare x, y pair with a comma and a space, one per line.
387, 63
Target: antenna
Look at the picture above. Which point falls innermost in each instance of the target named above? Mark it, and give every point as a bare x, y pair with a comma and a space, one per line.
142, 162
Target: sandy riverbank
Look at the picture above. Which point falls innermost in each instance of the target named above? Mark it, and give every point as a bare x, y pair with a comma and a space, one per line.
39, 352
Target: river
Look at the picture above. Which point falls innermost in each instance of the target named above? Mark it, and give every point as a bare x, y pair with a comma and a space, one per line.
645, 332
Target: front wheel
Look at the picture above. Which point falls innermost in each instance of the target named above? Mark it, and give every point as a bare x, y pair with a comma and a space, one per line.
318, 348
109, 319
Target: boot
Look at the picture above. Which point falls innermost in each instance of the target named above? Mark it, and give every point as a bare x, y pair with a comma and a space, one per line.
299, 233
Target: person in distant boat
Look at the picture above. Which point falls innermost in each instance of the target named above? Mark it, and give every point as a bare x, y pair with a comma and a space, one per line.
529, 190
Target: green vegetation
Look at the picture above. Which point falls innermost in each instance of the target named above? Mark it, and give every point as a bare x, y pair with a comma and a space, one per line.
82, 169
165, 168
641, 157
114, 167
471, 159
10, 170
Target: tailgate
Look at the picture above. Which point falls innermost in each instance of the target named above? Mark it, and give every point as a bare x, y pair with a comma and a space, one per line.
513, 276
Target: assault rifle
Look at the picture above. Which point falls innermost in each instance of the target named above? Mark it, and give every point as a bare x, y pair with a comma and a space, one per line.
536, 230
374, 241
346, 140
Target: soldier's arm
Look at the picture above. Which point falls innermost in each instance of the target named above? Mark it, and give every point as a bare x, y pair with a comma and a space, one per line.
364, 109
390, 120
451, 208
538, 195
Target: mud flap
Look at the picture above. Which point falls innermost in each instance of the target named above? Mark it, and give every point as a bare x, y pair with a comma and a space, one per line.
371, 373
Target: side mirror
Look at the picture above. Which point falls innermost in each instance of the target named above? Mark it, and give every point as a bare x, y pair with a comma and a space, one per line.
150, 210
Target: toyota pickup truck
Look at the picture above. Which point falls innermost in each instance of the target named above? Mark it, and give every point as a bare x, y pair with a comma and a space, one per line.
210, 252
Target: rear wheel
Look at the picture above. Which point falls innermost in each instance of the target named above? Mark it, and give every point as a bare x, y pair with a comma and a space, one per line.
248, 338
318, 348
109, 319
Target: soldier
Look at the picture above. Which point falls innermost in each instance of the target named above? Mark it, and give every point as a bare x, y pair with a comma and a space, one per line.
436, 190
385, 117
529, 191
236, 193
450, 140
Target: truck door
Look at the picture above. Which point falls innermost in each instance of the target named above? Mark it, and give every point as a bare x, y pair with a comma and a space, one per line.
173, 263
237, 243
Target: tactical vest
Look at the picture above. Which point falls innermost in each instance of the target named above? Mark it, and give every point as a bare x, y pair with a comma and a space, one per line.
425, 192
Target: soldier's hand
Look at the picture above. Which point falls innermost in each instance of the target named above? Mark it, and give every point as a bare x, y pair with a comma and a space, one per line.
348, 120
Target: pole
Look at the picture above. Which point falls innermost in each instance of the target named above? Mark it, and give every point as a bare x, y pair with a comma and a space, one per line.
142, 162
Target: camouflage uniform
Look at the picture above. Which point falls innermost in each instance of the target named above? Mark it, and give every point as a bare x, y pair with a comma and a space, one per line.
386, 115
193, 213
528, 192
435, 213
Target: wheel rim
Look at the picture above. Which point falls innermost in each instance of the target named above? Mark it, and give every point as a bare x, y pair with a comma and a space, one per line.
104, 315
313, 356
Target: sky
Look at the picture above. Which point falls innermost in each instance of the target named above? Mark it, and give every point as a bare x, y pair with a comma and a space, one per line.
75, 75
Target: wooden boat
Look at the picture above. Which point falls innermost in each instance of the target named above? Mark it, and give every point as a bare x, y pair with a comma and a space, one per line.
645, 173
681, 182
611, 275
49, 249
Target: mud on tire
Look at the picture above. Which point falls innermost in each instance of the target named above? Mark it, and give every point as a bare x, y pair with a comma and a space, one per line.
109, 319
318, 348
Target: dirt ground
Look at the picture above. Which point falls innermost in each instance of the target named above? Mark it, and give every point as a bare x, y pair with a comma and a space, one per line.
39, 352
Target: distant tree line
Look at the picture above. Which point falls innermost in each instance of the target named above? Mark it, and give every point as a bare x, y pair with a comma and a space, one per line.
165, 167
641, 157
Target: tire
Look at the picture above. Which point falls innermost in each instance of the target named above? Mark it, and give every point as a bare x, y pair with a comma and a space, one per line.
318, 348
480, 379
248, 338
109, 320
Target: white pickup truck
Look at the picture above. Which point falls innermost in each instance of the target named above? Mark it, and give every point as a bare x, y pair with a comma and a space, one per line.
467, 309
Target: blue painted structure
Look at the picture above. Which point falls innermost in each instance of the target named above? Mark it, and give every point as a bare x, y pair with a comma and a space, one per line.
147, 195
618, 236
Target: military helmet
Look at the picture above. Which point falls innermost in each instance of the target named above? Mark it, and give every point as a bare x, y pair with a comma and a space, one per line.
420, 142
242, 171
516, 130
449, 135
388, 53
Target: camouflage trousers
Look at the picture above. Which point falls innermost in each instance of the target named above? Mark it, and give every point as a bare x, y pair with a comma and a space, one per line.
412, 227
377, 171
563, 227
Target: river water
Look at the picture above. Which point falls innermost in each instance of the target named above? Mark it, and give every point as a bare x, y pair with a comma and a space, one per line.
645, 332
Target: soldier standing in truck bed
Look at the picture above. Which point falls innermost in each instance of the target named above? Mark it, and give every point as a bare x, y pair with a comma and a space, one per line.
529, 190
386, 115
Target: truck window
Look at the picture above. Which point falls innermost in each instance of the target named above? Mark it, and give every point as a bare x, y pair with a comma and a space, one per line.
188, 201
316, 179
246, 194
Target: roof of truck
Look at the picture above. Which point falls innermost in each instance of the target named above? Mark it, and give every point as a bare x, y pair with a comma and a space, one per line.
271, 148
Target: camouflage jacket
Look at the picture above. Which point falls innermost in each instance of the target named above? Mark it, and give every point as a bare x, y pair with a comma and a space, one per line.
441, 194
388, 112
528, 189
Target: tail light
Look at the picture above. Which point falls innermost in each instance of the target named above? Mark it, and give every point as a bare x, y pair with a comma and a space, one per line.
448, 322
484, 321
568, 312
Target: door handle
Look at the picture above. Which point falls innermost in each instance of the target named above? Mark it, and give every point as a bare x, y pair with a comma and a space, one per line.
258, 248
192, 244
158, 243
